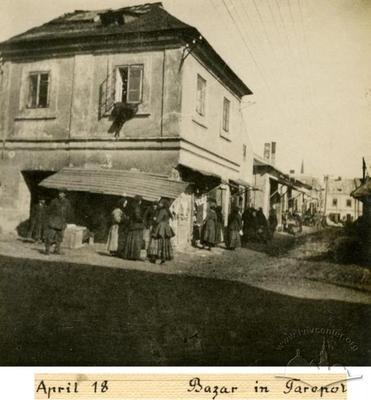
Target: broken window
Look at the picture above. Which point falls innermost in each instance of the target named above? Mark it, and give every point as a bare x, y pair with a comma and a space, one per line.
201, 95
129, 84
226, 111
38, 90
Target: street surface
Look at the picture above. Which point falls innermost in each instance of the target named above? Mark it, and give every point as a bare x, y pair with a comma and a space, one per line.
258, 305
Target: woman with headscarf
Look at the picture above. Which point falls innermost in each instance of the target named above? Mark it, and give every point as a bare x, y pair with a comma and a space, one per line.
209, 228
134, 240
159, 247
249, 224
115, 234
234, 228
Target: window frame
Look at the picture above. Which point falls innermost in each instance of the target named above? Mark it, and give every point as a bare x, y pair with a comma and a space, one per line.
201, 100
118, 89
226, 121
334, 202
349, 202
29, 98
244, 151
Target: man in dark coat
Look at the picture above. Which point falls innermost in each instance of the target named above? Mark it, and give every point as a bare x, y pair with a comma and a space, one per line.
37, 221
59, 213
249, 224
263, 232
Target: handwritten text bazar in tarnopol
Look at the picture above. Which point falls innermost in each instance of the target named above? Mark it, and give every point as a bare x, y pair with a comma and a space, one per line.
197, 386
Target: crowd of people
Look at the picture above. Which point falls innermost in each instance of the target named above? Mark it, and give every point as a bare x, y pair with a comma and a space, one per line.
48, 223
135, 235
250, 225
139, 232
136, 232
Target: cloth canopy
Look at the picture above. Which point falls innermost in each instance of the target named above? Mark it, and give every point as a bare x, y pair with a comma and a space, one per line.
115, 182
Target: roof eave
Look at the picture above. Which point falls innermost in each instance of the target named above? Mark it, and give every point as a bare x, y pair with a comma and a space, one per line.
211, 57
105, 42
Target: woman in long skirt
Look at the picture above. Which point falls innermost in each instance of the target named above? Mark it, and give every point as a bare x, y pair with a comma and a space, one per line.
114, 232
219, 237
134, 240
159, 247
234, 228
209, 228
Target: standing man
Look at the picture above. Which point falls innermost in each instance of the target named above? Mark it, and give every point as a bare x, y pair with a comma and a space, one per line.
59, 213
37, 221
272, 221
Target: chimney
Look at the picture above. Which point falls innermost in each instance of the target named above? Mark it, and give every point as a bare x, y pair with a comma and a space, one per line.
273, 153
267, 151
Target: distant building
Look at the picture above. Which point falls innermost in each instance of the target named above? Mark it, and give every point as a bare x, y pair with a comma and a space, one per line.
315, 195
275, 188
339, 205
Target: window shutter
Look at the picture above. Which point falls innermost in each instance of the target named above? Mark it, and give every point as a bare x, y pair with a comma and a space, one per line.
135, 84
106, 95
32, 100
44, 90
111, 92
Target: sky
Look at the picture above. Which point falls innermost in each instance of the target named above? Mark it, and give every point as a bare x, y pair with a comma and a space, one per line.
308, 63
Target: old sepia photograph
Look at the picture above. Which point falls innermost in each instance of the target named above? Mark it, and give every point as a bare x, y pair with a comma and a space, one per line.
185, 183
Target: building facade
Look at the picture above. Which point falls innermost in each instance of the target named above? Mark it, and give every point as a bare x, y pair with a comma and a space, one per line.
339, 205
278, 190
133, 88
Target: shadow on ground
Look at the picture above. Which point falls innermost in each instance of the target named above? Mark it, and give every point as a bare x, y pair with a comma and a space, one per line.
68, 314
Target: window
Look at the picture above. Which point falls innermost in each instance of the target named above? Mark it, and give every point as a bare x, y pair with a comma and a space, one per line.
201, 95
335, 202
226, 110
244, 151
38, 90
349, 203
129, 84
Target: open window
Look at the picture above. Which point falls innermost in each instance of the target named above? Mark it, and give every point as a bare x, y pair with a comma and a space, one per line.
129, 84
39, 83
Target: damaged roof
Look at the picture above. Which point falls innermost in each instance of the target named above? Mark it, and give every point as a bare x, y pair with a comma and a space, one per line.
102, 30
87, 23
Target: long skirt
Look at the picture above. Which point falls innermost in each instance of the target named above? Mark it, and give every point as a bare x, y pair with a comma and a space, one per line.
113, 239
208, 233
219, 232
133, 245
160, 248
234, 239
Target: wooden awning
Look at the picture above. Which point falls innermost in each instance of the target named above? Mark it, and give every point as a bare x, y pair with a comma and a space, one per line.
362, 191
115, 182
